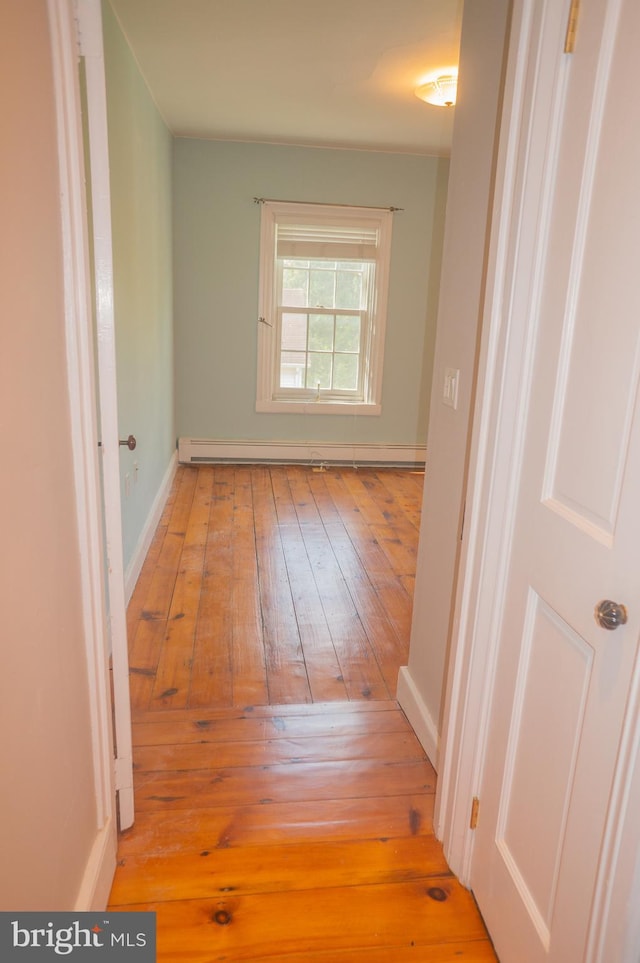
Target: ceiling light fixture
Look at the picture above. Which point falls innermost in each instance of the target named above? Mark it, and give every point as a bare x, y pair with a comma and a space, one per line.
441, 91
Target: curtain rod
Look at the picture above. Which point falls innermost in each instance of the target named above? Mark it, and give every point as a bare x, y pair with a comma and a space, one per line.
365, 207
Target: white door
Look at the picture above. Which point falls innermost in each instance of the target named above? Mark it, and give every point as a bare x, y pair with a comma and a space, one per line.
562, 681
90, 23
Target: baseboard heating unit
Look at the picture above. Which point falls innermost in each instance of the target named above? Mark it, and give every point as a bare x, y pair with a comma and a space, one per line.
194, 451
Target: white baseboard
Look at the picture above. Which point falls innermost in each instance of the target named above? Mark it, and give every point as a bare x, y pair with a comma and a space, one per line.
146, 536
202, 450
418, 715
99, 871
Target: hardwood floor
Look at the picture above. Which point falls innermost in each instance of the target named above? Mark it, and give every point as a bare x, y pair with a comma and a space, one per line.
284, 804
276, 585
291, 833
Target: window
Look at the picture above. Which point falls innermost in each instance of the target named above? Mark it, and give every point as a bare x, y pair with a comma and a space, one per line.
323, 293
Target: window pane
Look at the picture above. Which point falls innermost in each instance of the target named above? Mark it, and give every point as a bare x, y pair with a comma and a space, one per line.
321, 288
295, 283
348, 289
328, 265
292, 369
294, 332
348, 333
321, 332
345, 372
319, 370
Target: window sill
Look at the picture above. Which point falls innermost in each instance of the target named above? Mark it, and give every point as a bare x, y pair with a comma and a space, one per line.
318, 407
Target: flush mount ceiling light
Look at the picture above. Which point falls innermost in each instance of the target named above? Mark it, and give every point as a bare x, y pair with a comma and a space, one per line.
441, 91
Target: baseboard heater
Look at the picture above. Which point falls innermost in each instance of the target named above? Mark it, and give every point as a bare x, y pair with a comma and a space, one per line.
194, 451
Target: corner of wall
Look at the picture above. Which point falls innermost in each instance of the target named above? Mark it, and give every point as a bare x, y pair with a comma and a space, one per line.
98, 876
146, 535
418, 715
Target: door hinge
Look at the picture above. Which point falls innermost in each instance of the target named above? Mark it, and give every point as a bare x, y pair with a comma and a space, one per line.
475, 807
78, 25
572, 27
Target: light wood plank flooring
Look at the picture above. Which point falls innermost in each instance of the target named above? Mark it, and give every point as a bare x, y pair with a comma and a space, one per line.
291, 833
284, 805
276, 585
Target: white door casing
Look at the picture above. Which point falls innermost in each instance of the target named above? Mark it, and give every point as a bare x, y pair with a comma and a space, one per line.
543, 703
91, 45
100, 866
91, 498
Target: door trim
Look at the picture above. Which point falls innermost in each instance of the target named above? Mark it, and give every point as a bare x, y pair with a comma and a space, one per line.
92, 49
517, 228
98, 875
489, 501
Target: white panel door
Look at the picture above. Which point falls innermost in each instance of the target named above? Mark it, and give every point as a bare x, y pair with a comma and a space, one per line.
562, 680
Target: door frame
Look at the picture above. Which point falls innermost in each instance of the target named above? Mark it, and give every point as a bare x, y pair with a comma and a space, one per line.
519, 222
100, 866
89, 17
76, 29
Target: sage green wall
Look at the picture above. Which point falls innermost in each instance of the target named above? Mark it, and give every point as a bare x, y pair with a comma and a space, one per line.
140, 167
216, 250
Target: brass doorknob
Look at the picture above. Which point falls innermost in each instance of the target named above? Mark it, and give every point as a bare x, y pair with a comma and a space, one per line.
130, 442
610, 614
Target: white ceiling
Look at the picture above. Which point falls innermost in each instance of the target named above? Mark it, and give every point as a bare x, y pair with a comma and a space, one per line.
331, 73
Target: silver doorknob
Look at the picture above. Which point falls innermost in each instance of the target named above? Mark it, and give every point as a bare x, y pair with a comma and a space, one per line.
610, 614
130, 442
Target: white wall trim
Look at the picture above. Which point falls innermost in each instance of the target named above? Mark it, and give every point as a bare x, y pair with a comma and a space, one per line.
99, 871
194, 450
492, 484
89, 13
100, 865
134, 567
292, 407
416, 711
81, 388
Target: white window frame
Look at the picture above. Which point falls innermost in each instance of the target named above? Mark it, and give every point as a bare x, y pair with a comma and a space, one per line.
269, 396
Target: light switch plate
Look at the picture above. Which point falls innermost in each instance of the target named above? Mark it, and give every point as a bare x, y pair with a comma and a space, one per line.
450, 388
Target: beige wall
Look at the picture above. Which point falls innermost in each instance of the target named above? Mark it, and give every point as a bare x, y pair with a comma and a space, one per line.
468, 200
47, 804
